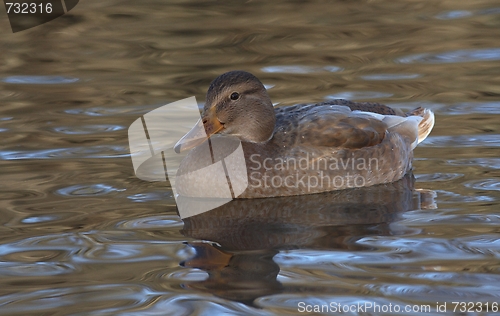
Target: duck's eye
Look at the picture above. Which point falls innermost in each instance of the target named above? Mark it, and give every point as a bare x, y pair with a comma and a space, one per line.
235, 96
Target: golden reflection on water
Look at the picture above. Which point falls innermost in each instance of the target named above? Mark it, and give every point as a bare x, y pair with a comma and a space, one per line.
81, 234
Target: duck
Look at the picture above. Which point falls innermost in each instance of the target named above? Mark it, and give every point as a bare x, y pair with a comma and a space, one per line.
304, 148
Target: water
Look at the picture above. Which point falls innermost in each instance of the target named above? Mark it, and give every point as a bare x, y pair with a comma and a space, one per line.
81, 235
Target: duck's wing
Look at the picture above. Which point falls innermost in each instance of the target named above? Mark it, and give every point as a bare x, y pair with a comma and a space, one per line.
366, 107
425, 125
339, 127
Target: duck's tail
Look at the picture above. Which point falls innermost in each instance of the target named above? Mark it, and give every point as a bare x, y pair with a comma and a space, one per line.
416, 125
426, 124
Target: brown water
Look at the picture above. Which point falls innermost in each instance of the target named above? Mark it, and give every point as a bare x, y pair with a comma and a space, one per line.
81, 235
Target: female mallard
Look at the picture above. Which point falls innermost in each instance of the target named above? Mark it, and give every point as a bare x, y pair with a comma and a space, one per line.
305, 148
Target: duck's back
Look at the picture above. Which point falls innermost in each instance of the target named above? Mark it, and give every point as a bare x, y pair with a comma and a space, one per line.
332, 146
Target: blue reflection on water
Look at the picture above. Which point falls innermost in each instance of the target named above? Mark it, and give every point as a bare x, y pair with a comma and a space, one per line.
493, 163
299, 69
473, 107
489, 140
484, 184
87, 129
38, 219
65, 153
456, 56
87, 190
39, 79
391, 76
149, 196
455, 14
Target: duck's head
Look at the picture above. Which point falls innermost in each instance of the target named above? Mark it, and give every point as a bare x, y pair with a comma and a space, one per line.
237, 104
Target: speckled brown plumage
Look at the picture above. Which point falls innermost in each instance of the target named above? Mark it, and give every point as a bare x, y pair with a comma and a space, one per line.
313, 148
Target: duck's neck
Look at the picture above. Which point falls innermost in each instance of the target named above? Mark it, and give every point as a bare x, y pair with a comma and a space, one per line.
258, 128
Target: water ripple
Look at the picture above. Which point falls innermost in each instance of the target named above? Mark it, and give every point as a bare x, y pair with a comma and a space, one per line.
113, 111
470, 278
484, 184
457, 56
493, 163
42, 248
67, 153
189, 303
21, 195
118, 252
109, 299
452, 197
471, 221
299, 69
87, 190
490, 11
391, 76
442, 250
473, 107
88, 248
156, 222
484, 140
87, 129
39, 80
318, 259
455, 14
439, 293
39, 219
186, 275
150, 196
36, 268
438, 177
485, 244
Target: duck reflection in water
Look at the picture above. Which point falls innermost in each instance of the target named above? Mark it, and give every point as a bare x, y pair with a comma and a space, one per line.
250, 232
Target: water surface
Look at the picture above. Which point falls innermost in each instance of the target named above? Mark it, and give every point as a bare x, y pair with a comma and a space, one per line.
82, 235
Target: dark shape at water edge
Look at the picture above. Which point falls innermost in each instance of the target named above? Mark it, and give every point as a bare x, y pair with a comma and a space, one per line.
25, 15
70, 4
251, 231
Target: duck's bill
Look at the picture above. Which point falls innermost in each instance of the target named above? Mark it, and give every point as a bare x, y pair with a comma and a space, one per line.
196, 136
